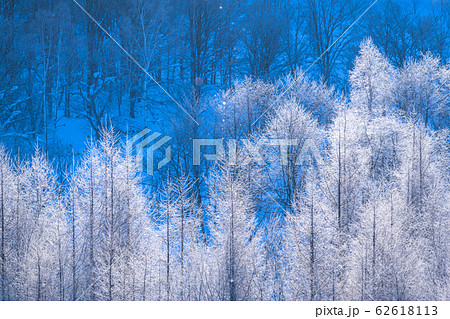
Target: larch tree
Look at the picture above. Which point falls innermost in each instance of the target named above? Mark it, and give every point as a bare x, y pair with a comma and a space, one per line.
236, 248
299, 136
39, 271
308, 245
7, 212
111, 213
372, 79
423, 91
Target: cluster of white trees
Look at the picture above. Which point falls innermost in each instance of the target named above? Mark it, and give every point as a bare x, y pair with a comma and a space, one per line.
360, 210
98, 237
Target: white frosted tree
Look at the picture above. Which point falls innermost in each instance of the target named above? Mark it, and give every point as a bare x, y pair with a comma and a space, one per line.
236, 242
342, 179
111, 216
424, 91
239, 109
308, 245
423, 180
40, 227
299, 137
399, 250
372, 79
316, 97
7, 217
181, 241
376, 259
380, 264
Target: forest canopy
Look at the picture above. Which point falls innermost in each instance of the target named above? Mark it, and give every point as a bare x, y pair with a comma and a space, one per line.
359, 209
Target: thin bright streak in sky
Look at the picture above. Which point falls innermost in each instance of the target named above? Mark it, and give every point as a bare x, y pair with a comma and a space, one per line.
293, 83
136, 62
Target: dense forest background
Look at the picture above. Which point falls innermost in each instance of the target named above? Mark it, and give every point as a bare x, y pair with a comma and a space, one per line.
359, 210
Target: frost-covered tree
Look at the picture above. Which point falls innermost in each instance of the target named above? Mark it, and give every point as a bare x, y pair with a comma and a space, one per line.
7, 214
308, 245
423, 181
399, 250
380, 266
236, 244
110, 215
299, 137
372, 79
40, 230
316, 97
424, 91
239, 109
181, 241
342, 178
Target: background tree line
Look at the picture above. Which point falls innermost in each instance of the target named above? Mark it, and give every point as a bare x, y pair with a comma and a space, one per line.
57, 63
